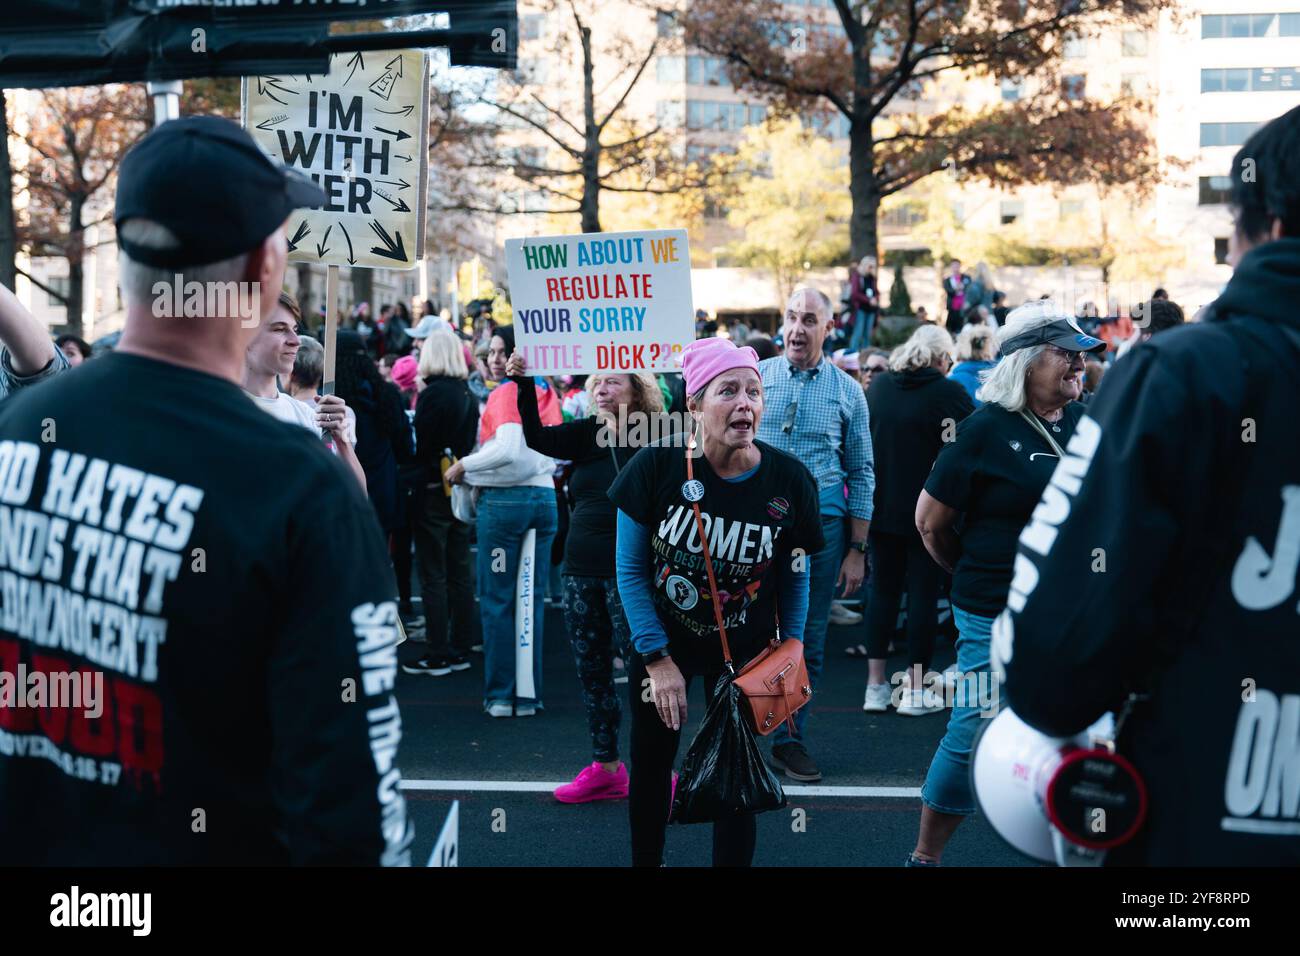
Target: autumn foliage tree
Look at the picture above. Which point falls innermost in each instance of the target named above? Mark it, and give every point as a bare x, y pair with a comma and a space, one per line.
868, 62
577, 138
75, 139
786, 199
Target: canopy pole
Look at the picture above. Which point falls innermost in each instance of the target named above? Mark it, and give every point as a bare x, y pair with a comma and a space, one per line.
166, 100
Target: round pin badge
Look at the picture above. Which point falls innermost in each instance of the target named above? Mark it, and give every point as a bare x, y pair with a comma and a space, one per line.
693, 490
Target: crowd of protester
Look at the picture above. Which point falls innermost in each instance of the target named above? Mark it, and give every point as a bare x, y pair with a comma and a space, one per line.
902, 477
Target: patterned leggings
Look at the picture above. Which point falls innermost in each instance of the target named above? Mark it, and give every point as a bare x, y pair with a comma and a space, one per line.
598, 632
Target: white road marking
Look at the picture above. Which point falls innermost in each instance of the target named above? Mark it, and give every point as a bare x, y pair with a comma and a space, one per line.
539, 786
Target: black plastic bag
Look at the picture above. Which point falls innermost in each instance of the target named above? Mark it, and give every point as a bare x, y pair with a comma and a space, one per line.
724, 772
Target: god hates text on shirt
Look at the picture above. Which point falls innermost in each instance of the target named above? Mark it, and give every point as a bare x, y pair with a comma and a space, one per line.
97, 593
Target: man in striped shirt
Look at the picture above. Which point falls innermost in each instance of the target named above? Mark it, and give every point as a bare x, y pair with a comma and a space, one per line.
818, 414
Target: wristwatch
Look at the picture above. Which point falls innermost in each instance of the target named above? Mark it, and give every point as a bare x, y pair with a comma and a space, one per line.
649, 657
859, 546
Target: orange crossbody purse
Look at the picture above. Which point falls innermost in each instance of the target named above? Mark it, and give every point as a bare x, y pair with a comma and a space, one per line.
775, 683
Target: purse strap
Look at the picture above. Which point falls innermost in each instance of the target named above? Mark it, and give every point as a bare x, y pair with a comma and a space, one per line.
708, 562
1037, 426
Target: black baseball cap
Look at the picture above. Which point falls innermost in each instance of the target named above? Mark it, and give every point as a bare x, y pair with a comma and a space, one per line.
205, 179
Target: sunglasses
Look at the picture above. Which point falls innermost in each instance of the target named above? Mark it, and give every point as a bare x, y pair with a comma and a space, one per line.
1064, 353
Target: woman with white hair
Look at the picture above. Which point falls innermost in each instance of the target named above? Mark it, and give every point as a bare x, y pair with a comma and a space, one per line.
976, 352
990, 480
913, 408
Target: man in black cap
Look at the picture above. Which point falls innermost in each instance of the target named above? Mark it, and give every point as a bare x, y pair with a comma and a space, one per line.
179, 549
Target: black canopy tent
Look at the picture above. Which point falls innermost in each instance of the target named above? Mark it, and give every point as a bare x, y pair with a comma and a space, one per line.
50, 43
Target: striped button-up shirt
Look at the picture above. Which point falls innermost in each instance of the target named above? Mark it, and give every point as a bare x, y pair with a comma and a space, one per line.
820, 417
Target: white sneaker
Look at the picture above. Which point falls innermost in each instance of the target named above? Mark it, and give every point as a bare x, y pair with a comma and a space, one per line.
842, 615
502, 708
918, 703
877, 699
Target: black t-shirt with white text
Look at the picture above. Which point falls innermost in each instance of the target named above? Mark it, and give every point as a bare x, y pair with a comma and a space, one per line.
218, 581
750, 525
994, 473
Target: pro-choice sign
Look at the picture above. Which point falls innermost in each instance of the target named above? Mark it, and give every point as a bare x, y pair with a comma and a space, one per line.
601, 302
360, 132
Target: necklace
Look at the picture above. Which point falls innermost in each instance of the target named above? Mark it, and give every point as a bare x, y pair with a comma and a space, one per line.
1055, 426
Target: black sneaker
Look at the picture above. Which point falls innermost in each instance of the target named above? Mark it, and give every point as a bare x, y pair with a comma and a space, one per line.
794, 760
457, 662
433, 666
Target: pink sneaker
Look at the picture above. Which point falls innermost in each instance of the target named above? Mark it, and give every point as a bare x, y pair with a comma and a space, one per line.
594, 783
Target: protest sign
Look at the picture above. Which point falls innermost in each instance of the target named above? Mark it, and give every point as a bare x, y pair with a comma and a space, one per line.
361, 133
612, 302
446, 849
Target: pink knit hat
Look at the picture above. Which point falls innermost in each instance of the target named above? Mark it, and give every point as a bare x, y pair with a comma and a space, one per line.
705, 359
406, 370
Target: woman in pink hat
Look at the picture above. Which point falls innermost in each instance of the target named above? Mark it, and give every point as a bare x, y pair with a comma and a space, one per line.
760, 509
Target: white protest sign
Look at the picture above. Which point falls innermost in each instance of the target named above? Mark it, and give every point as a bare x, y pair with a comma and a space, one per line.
361, 133
601, 302
446, 850
525, 595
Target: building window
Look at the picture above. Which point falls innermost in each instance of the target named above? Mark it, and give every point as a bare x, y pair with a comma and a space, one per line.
1227, 134
1241, 80
670, 69
1239, 25
705, 71
1134, 84
57, 284
1275, 78
1134, 43
1011, 90
530, 26
666, 25
711, 114
1012, 209
1076, 47
1073, 87
1071, 207
1214, 190
1221, 250
903, 217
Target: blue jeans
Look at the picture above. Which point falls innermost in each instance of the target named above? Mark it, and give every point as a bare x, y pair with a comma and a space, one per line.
862, 324
504, 517
947, 786
824, 569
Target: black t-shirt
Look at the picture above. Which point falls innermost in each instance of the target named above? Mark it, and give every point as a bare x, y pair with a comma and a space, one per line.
994, 473
751, 525
224, 576
589, 543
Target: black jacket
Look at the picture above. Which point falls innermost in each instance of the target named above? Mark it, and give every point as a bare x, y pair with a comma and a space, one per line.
446, 416
1165, 559
910, 414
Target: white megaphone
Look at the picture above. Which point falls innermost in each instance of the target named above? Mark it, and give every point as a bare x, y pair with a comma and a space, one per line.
1057, 799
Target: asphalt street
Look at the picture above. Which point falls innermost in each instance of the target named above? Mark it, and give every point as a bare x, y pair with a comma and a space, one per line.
498, 769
